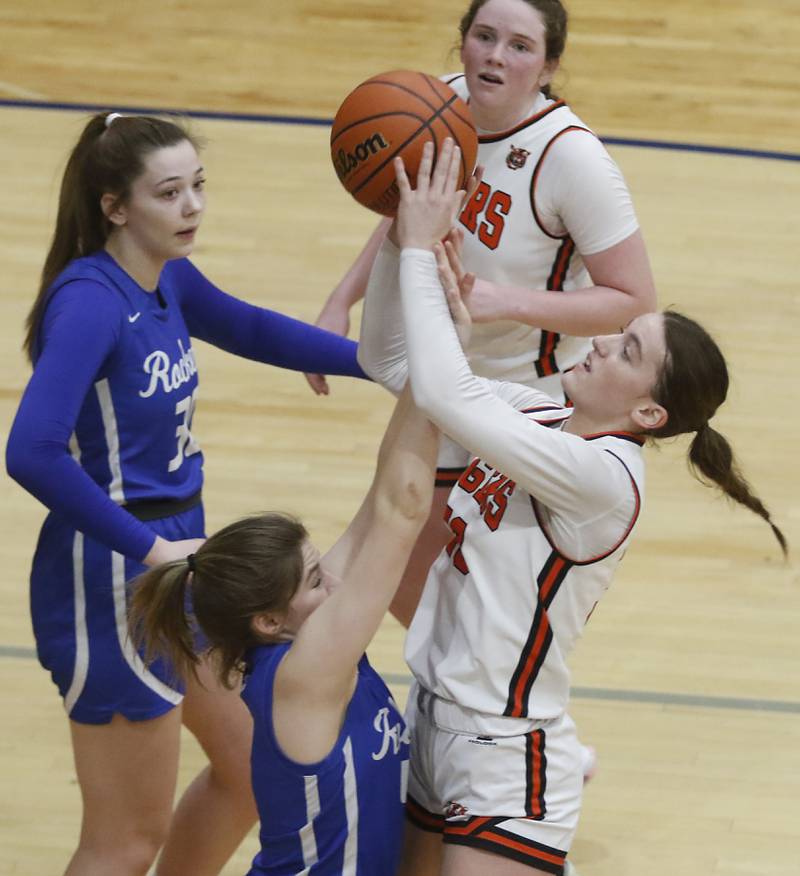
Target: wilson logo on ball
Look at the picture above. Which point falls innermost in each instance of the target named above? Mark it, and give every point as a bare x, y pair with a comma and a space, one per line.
409, 109
346, 162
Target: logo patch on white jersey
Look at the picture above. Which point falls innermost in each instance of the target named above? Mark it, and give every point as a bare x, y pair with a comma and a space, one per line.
517, 157
455, 811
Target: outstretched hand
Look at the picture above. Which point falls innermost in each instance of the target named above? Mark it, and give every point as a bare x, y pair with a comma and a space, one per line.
426, 213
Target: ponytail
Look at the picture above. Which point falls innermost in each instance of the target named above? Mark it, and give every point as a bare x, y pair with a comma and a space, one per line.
692, 384
109, 155
712, 461
248, 568
157, 618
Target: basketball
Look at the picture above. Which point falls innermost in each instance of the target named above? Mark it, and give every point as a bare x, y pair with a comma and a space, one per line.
393, 114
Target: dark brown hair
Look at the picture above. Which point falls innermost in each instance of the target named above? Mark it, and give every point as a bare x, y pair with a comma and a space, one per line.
251, 566
106, 159
692, 384
556, 22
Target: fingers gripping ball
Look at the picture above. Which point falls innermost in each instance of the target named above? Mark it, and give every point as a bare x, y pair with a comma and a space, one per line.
394, 114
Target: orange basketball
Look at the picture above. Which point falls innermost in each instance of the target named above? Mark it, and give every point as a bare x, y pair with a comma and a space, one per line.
394, 114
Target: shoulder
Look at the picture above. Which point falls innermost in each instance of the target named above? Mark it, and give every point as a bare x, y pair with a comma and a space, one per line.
458, 82
262, 663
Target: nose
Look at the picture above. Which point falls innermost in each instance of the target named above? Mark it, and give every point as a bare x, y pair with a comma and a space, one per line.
600, 344
496, 54
193, 203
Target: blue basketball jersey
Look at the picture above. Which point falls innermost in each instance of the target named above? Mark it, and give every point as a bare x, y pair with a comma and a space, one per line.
133, 435
342, 816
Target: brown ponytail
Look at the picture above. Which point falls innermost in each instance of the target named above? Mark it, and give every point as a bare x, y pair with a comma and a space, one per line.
106, 159
712, 462
692, 384
249, 567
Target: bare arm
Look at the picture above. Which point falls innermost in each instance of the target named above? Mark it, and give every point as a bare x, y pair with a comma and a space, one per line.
623, 288
368, 559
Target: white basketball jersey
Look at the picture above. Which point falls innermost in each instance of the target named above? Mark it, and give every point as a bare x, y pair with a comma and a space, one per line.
507, 243
506, 601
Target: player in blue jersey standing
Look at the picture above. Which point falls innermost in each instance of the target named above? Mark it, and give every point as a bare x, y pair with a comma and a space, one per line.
330, 749
103, 437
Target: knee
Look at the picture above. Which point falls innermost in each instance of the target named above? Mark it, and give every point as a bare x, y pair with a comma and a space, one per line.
129, 850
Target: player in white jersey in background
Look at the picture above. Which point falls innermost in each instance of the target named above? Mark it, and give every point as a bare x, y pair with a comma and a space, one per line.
550, 232
538, 522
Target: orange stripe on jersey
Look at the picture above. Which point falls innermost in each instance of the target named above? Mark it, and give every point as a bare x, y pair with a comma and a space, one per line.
546, 363
539, 638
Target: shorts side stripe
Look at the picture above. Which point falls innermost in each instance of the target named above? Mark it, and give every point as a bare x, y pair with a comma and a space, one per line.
130, 654
535, 774
81, 669
518, 848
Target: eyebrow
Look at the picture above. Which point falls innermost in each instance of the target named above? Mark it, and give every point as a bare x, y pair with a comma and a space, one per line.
517, 36
176, 177
635, 339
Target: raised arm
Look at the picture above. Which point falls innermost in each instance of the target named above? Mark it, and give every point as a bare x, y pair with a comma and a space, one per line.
568, 474
368, 561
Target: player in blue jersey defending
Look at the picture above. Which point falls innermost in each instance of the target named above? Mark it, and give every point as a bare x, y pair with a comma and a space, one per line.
330, 749
103, 437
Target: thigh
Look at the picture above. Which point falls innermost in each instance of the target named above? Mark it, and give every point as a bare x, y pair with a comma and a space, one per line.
422, 852
219, 719
464, 861
127, 772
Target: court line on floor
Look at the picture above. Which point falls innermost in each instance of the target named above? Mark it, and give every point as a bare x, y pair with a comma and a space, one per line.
578, 693
320, 122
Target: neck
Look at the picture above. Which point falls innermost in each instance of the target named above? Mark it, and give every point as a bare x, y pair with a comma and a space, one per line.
491, 120
144, 269
580, 424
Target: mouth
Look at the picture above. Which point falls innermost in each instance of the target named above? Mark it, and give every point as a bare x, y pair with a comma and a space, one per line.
490, 78
188, 233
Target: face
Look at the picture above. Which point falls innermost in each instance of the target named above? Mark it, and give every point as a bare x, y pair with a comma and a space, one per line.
314, 588
612, 388
504, 61
161, 217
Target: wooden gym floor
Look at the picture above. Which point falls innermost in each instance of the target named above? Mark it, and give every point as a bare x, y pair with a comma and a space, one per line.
688, 681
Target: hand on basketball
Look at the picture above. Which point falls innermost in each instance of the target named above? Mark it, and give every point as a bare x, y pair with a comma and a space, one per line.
426, 213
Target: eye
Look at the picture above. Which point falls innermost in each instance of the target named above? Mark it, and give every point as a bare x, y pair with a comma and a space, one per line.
199, 184
520, 47
317, 582
169, 194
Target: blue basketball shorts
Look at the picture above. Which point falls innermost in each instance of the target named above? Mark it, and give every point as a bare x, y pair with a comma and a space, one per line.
80, 592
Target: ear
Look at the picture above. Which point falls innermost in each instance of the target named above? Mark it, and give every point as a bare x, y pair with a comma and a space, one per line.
548, 72
113, 210
649, 415
268, 624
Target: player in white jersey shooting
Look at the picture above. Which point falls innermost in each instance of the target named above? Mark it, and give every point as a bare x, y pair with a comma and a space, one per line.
539, 521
